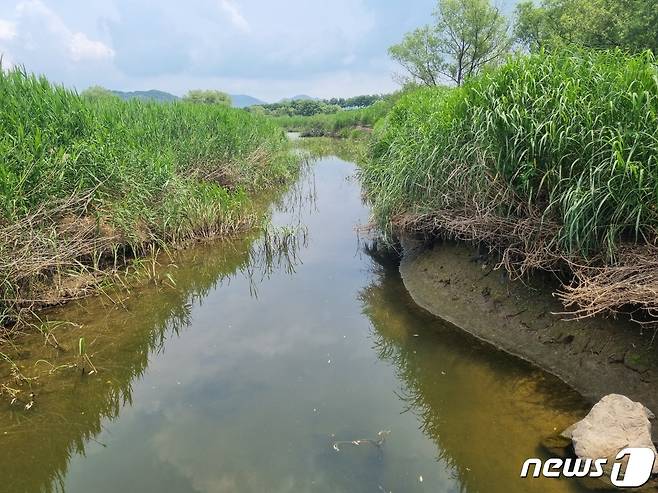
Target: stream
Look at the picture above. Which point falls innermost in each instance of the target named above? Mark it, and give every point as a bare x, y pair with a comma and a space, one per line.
242, 367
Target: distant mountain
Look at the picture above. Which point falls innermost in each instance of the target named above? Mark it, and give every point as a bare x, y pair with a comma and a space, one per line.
152, 95
244, 101
300, 97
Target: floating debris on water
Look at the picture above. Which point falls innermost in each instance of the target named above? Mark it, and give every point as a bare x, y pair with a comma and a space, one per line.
362, 441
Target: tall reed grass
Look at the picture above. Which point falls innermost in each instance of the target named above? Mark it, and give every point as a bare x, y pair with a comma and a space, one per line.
82, 180
571, 135
555, 153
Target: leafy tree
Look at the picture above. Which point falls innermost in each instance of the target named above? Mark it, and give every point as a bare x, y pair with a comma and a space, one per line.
207, 97
98, 93
421, 54
467, 36
628, 24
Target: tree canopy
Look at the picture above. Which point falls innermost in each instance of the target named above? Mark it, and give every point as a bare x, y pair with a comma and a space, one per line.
356, 101
297, 107
97, 93
207, 97
467, 35
628, 24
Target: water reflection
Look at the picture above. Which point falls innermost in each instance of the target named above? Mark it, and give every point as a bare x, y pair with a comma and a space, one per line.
485, 412
238, 373
70, 408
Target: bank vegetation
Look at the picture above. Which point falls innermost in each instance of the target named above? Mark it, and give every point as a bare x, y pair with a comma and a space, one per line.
551, 159
86, 185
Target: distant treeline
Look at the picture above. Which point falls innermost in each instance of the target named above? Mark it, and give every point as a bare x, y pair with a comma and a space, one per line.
311, 107
357, 101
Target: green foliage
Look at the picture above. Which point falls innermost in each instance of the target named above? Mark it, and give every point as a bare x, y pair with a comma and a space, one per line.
362, 101
572, 136
337, 123
97, 93
467, 36
54, 144
628, 24
151, 95
80, 180
420, 53
199, 96
296, 107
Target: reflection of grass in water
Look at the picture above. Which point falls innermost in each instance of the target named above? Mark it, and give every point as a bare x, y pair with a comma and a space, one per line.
120, 330
470, 400
276, 250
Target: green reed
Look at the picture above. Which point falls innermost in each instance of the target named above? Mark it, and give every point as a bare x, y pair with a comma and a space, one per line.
78, 178
571, 136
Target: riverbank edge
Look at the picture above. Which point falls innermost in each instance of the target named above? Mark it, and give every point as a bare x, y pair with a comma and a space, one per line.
595, 356
137, 262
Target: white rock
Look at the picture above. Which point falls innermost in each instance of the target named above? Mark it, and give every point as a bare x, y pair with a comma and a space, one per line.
614, 423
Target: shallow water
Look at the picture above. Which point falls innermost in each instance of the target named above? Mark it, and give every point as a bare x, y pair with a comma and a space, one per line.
241, 367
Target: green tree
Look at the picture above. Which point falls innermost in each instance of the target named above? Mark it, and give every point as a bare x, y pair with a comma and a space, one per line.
467, 35
98, 93
207, 97
601, 24
420, 53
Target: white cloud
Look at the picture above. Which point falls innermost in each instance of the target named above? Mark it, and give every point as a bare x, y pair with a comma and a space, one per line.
83, 48
78, 45
7, 30
237, 19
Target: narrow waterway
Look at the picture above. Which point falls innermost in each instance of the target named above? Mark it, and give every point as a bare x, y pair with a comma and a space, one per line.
243, 366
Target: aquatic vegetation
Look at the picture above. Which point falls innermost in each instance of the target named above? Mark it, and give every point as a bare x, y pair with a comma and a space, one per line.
551, 157
87, 185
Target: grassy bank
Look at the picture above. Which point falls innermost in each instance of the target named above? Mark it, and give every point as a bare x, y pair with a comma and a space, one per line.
551, 158
344, 123
84, 186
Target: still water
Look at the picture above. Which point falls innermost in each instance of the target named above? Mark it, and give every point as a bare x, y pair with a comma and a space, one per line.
243, 365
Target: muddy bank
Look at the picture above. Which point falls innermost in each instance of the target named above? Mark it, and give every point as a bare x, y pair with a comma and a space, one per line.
595, 356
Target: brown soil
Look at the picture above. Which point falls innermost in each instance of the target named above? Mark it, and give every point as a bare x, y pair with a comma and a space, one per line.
595, 356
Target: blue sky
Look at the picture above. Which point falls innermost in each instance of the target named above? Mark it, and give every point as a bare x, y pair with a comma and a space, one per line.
269, 49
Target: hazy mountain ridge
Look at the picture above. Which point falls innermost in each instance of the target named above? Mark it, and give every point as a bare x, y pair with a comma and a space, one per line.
238, 100
244, 100
151, 95
299, 97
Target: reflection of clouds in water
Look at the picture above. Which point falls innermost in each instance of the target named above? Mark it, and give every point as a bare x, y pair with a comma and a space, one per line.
239, 348
213, 457
245, 399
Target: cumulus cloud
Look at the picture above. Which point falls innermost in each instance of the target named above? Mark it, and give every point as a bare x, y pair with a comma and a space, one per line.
7, 33
39, 26
83, 48
268, 49
77, 44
